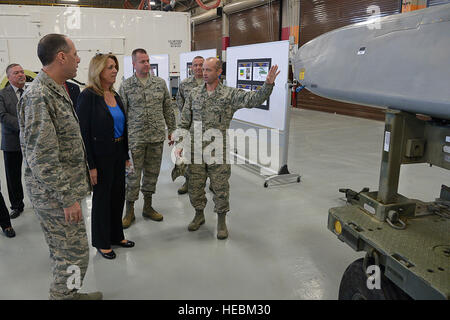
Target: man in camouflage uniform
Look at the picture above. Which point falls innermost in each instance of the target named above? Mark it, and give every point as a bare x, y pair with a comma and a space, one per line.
56, 171
149, 108
184, 89
211, 107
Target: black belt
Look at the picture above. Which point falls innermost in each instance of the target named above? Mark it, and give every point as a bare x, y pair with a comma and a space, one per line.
118, 139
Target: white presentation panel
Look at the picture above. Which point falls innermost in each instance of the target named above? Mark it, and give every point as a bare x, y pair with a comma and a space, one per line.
127, 67
162, 62
159, 67
186, 59
247, 67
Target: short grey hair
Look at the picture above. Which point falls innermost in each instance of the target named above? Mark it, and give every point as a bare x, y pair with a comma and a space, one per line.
12, 65
198, 57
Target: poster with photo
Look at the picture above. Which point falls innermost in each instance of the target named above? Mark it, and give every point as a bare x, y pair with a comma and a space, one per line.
260, 70
251, 74
245, 71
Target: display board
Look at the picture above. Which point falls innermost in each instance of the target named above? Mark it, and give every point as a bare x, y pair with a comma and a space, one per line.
160, 63
186, 61
128, 69
189, 72
251, 75
159, 66
154, 69
247, 68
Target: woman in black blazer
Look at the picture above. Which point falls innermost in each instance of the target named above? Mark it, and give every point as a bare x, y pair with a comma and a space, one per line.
104, 130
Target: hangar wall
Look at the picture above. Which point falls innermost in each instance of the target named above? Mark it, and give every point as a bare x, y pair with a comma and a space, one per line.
255, 25
92, 30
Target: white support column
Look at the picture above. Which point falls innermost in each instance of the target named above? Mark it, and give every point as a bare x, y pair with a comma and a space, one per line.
225, 32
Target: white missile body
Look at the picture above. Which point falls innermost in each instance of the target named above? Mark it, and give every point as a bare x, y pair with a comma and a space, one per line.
400, 62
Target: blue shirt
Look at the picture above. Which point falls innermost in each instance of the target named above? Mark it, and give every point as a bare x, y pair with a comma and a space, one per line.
119, 120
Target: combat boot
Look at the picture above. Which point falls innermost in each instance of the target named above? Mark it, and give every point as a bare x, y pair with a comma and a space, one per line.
129, 215
88, 296
183, 189
198, 220
222, 231
149, 212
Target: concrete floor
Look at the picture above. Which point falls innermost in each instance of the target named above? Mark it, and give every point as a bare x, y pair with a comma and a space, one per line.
279, 246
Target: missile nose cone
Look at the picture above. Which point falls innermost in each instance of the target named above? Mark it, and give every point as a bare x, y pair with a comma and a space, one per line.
402, 64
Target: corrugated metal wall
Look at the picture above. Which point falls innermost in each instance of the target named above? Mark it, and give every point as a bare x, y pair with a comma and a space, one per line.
320, 16
437, 2
117, 4
257, 25
207, 35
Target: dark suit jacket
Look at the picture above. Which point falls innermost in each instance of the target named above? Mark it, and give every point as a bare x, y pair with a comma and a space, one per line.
74, 92
9, 120
97, 126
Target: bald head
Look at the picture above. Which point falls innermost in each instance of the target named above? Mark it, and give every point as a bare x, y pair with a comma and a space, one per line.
212, 68
216, 62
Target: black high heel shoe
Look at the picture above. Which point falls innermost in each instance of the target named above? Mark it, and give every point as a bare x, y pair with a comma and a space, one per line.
9, 232
128, 244
109, 255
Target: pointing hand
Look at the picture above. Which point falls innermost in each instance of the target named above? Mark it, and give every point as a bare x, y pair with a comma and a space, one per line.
271, 76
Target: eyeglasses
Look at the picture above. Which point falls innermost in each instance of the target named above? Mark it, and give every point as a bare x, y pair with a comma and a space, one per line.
101, 54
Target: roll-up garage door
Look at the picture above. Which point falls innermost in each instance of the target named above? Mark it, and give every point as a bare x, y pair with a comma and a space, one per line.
436, 2
256, 25
208, 35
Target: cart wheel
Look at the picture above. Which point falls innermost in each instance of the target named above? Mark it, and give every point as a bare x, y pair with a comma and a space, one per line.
354, 285
266, 184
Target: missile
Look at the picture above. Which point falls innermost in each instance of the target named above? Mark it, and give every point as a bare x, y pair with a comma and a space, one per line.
399, 62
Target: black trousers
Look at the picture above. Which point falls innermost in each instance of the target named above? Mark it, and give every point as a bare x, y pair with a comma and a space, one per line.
5, 221
13, 170
108, 199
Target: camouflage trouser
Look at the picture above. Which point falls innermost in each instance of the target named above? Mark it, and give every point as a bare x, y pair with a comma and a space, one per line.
178, 118
68, 246
147, 158
218, 174
177, 113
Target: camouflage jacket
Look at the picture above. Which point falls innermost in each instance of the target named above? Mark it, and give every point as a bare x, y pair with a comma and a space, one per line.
148, 109
216, 111
184, 89
56, 171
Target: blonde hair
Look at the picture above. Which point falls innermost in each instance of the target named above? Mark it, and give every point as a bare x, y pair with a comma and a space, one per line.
96, 66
